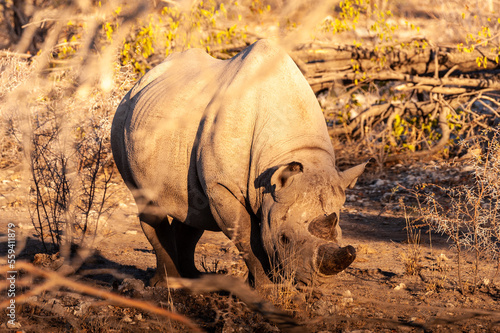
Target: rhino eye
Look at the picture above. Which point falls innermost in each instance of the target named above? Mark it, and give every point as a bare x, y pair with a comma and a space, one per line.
284, 239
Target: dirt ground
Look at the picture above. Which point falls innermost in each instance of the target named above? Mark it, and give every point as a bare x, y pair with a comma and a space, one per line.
374, 294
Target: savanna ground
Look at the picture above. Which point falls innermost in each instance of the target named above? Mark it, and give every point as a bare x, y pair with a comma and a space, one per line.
409, 275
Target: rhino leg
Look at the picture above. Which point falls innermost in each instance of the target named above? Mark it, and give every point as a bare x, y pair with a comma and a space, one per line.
186, 238
236, 223
174, 245
161, 235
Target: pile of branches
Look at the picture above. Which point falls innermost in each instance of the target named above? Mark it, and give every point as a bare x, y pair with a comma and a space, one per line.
440, 81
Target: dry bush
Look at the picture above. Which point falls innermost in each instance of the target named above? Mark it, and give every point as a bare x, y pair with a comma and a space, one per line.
283, 292
65, 140
71, 162
57, 109
14, 71
469, 214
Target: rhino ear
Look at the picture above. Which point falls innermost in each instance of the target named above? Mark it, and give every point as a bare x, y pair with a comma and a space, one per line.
350, 176
284, 174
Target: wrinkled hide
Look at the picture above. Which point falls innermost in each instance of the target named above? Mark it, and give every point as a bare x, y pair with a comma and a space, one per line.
238, 146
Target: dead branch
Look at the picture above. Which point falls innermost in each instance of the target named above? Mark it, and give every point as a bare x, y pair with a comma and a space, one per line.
415, 60
432, 89
4, 53
325, 80
54, 279
208, 283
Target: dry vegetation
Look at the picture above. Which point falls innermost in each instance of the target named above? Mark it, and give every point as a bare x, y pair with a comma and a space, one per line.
414, 85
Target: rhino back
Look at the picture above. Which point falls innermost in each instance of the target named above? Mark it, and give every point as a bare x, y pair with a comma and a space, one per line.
194, 122
264, 114
154, 131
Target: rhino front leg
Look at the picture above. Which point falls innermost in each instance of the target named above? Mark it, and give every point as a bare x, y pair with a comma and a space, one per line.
236, 223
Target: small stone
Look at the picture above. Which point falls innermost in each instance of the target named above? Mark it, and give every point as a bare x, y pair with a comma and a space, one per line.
133, 286
467, 168
347, 297
32, 299
127, 319
14, 325
443, 257
351, 197
386, 197
82, 309
400, 286
131, 232
323, 308
378, 183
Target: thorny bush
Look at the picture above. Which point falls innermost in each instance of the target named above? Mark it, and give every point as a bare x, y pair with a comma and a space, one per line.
65, 139
469, 214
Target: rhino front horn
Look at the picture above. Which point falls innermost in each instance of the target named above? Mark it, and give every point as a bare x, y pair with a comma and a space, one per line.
332, 259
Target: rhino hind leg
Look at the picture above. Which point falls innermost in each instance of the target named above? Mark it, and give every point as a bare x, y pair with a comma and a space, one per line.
161, 235
186, 238
174, 245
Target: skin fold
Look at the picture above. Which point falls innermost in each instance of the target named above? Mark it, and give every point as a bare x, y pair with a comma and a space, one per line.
238, 146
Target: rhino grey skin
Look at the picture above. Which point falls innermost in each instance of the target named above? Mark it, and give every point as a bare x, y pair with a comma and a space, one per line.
238, 146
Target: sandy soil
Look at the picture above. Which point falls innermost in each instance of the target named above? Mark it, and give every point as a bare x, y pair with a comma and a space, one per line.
373, 294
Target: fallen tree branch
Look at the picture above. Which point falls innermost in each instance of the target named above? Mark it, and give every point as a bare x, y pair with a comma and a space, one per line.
432, 89
324, 81
415, 60
54, 279
411, 108
4, 53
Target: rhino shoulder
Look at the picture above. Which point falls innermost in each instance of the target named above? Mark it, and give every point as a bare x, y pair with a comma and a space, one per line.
262, 54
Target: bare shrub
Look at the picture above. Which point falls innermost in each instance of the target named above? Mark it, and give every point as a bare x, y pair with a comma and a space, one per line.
469, 214
64, 137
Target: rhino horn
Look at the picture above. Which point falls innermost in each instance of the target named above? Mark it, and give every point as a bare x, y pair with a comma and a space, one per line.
324, 227
332, 259
350, 176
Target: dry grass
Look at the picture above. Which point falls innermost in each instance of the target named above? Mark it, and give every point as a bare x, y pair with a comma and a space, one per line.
55, 114
53, 280
412, 255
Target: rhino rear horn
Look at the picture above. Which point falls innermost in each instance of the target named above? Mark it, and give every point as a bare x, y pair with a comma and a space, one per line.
324, 227
284, 174
350, 176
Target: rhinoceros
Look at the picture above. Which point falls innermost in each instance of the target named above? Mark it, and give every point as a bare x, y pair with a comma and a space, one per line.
239, 146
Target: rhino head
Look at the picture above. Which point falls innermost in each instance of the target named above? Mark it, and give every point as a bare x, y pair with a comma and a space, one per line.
300, 220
